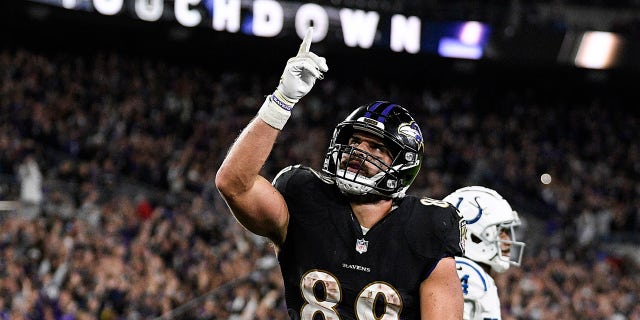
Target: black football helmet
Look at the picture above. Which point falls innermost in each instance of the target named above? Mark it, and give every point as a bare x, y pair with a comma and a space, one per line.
399, 133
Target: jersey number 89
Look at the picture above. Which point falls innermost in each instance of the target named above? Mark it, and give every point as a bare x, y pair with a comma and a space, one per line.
365, 303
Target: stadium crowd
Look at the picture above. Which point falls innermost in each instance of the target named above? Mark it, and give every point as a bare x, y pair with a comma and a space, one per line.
129, 225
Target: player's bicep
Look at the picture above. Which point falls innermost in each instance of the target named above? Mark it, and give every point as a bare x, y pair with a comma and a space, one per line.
262, 210
441, 293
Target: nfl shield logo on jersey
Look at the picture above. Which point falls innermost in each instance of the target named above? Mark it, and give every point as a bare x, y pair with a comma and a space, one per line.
361, 245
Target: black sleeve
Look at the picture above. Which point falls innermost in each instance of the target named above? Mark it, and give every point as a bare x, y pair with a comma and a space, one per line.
436, 230
282, 179
454, 236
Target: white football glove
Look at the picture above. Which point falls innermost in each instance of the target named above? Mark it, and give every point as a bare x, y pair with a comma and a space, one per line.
298, 78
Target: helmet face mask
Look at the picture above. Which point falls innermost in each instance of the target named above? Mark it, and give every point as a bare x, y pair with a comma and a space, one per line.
499, 247
491, 227
354, 171
395, 128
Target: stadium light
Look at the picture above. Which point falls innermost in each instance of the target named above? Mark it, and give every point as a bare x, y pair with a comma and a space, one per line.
597, 50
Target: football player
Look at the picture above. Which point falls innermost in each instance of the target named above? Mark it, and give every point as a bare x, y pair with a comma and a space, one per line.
350, 243
490, 247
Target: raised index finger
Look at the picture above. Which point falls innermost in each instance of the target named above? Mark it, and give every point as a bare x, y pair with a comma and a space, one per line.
306, 42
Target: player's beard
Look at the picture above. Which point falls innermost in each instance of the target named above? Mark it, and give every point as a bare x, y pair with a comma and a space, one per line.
365, 198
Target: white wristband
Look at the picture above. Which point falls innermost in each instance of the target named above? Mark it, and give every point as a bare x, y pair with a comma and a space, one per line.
274, 112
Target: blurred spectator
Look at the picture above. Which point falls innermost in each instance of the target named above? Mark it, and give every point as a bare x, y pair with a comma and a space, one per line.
30, 179
143, 207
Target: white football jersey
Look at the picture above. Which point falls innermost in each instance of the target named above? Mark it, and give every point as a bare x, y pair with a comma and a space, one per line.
481, 300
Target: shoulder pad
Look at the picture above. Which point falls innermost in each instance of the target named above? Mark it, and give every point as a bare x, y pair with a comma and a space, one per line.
283, 171
434, 229
475, 281
299, 175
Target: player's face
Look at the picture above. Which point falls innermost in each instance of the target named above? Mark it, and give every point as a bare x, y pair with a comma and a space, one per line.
505, 247
373, 145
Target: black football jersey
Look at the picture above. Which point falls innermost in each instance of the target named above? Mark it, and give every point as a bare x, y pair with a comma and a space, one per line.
331, 268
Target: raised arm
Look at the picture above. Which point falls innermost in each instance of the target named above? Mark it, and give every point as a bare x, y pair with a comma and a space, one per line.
252, 199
